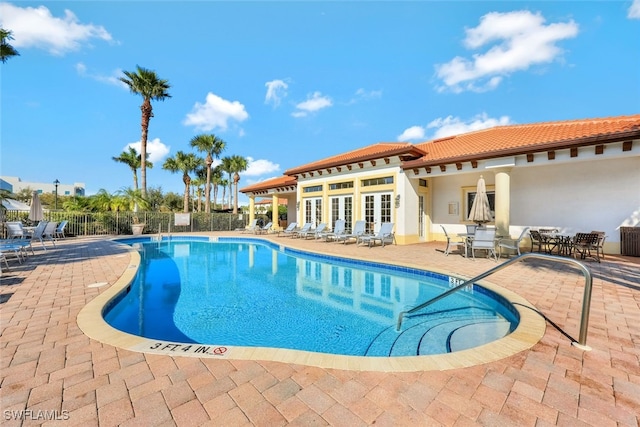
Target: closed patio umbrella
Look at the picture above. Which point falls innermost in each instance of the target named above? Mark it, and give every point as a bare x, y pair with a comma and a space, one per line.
480, 209
35, 211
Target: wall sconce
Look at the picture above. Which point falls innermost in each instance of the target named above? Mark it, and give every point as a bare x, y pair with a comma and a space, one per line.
297, 206
397, 201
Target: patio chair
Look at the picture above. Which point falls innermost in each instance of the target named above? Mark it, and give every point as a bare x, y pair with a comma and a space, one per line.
289, 230
357, 232
265, 229
385, 235
59, 233
537, 240
39, 233
15, 230
338, 230
305, 229
600, 245
484, 239
511, 244
4, 258
471, 228
583, 243
462, 244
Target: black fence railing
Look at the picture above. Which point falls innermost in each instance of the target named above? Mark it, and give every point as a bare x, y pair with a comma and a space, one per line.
91, 223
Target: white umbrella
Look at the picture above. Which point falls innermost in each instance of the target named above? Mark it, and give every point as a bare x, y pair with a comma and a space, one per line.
480, 209
35, 211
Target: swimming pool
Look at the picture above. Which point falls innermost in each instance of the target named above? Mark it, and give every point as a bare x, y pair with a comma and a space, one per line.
245, 292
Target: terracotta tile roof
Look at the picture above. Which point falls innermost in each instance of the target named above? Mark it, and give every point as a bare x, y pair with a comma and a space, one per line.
370, 152
281, 181
526, 138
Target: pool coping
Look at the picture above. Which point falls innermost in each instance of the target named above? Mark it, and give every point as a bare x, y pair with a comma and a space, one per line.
529, 332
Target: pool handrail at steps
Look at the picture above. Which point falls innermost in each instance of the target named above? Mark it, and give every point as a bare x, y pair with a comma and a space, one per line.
586, 300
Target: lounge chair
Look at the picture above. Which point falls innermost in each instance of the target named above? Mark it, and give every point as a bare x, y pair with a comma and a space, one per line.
289, 230
462, 244
484, 239
384, 235
305, 229
316, 233
358, 231
265, 229
251, 228
511, 244
338, 230
59, 233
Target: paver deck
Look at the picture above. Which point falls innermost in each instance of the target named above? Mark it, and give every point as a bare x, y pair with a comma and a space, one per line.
51, 369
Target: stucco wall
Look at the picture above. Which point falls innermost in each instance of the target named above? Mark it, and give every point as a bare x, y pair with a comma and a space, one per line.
579, 196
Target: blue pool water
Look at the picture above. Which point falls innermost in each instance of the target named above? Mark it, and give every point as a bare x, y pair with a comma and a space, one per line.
245, 292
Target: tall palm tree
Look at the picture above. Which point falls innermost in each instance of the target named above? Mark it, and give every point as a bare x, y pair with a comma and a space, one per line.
238, 164
223, 184
213, 146
6, 50
185, 163
216, 179
132, 159
145, 83
227, 166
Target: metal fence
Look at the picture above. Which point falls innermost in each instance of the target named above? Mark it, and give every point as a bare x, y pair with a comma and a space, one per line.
91, 224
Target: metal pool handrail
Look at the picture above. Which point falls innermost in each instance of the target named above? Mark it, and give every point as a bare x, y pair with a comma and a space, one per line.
586, 301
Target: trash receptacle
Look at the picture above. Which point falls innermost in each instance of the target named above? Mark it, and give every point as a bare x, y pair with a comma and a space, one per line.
630, 241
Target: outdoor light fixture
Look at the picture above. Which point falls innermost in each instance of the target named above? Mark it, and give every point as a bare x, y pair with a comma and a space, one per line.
398, 201
56, 183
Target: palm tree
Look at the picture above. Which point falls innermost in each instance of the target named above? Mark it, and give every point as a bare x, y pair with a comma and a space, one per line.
198, 182
130, 199
223, 184
185, 163
213, 146
216, 179
226, 166
6, 50
146, 84
238, 164
132, 159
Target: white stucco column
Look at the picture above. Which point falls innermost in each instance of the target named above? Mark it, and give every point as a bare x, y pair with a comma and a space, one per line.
252, 208
503, 200
274, 212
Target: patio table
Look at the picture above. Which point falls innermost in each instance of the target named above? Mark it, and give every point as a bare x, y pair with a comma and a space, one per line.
563, 242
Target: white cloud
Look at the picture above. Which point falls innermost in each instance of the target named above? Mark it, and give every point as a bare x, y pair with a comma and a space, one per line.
156, 149
36, 27
215, 113
314, 102
450, 125
365, 95
113, 79
634, 10
518, 40
260, 167
413, 133
276, 90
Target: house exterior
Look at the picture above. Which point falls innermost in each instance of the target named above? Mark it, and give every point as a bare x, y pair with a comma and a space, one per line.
576, 175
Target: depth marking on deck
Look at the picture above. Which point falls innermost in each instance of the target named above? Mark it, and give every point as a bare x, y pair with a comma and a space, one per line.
167, 347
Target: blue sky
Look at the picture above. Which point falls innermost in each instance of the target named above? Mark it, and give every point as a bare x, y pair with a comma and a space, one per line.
287, 83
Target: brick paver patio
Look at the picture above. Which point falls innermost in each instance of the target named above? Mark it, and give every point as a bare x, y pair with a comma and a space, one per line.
50, 369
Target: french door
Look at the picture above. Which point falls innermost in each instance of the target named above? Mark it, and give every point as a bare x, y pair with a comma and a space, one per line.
376, 209
341, 208
313, 210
